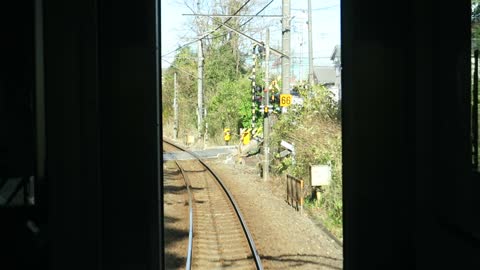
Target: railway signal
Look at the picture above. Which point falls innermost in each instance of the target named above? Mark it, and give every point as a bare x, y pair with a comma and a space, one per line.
258, 95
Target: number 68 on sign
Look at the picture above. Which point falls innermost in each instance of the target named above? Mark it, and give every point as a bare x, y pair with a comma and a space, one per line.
285, 100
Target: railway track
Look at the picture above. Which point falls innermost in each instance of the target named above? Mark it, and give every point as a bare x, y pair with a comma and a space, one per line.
218, 235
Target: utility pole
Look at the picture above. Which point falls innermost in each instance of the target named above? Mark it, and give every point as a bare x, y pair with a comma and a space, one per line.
205, 136
286, 46
254, 56
175, 107
200, 79
266, 119
310, 47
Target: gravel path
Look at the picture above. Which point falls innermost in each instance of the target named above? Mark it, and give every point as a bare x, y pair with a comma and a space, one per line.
285, 238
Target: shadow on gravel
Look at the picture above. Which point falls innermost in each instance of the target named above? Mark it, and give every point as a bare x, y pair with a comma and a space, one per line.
174, 189
168, 219
196, 188
174, 262
229, 262
178, 190
171, 172
200, 201
172, 235
302, 259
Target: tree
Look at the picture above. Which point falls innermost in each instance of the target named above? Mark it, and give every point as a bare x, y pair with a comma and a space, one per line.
227, 91
185, 66
475, 19
230, 107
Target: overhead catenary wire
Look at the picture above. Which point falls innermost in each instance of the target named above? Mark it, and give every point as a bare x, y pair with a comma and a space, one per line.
249, 20
180, 69
211, 31
254, 40
257, 13
317, 9
208, 32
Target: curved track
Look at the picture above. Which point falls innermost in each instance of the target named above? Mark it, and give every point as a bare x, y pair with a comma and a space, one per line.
219, 237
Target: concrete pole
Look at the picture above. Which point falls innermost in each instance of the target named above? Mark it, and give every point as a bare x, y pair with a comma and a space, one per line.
286, 46
253, 88
200, 82
310, 46
266, 120
205, 136
175, 107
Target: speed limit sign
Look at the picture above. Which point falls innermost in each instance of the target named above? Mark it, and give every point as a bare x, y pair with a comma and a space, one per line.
285, 100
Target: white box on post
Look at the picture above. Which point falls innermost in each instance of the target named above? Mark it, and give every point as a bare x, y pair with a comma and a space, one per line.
320, 175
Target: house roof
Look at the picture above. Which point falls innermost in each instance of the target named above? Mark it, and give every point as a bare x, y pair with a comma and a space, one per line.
324, 74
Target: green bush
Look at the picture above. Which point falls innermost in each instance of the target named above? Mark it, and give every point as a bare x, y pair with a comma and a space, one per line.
315, 130
230, 107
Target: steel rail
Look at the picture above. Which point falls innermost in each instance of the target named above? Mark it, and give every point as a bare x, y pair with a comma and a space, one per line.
251, 243
188, 264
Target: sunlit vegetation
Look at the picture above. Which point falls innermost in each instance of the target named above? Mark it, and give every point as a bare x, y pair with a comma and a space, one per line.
314, 127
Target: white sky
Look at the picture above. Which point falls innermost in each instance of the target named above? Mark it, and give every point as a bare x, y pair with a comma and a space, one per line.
176, 29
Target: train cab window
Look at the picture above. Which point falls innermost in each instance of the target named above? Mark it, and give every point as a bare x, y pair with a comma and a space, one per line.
269, 127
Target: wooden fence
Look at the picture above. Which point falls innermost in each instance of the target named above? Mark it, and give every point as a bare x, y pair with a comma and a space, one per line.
295, 192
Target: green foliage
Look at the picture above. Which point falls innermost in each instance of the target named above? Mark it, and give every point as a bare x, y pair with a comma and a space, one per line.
315, 130
227, 95
475, 20
220, 66
230, 107
319, 102
184, 65
227, 91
